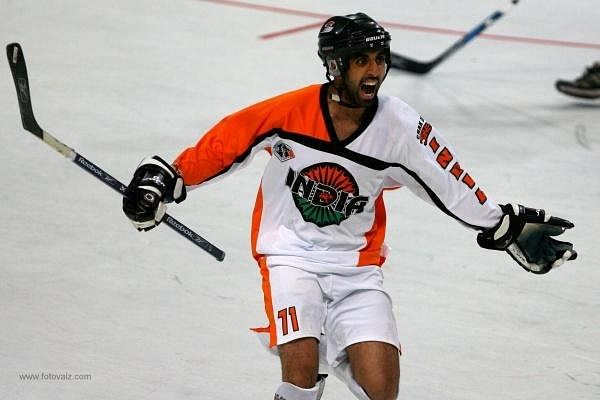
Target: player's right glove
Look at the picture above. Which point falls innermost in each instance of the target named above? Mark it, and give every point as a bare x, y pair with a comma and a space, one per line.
154, 184
526, 235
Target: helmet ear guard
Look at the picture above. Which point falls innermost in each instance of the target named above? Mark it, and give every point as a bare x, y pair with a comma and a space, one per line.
332, 68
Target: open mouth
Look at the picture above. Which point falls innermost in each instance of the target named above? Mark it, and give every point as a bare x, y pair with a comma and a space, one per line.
368, 89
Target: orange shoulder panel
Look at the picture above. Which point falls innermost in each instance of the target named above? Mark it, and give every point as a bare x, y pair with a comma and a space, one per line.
233, 138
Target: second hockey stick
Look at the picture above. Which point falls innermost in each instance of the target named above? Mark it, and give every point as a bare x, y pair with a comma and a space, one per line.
18, 68
422, 67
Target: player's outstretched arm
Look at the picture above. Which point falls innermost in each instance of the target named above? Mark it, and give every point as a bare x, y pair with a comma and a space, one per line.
526, 234
154, 184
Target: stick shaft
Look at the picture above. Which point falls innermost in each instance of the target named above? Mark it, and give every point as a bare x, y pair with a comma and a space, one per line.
18, 68
422, 67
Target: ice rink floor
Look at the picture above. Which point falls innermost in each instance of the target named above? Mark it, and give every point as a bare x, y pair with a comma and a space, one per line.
149, 316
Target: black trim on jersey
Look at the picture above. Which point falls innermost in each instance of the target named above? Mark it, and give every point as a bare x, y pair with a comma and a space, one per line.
369, 162
358, 158
434, 198
364, 122
334, 148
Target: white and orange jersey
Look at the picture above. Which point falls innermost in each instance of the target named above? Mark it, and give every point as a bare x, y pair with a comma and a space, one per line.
320, 202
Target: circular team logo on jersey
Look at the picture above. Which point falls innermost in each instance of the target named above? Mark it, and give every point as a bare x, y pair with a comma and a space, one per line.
325, 193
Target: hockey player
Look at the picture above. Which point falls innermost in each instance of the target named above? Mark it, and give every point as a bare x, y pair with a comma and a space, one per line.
319, 221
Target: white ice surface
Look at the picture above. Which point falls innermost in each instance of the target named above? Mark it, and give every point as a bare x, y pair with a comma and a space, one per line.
150, 316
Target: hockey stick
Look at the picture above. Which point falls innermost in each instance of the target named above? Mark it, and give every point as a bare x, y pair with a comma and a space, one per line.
422, 67
16, 60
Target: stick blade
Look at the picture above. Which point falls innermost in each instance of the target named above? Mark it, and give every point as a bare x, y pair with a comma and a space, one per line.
16, 61
408, 64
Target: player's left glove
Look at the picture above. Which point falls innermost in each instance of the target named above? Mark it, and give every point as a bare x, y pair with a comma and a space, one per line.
526, 235
154, 184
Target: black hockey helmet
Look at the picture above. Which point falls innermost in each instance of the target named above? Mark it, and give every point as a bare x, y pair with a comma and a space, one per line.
342, 36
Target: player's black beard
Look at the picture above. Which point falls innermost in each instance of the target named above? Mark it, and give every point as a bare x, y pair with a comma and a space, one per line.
353, 97
354, 101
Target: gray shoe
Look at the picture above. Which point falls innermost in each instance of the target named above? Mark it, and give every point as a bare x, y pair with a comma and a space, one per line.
586, 86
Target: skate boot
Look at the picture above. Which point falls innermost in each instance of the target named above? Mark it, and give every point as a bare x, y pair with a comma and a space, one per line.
586, 86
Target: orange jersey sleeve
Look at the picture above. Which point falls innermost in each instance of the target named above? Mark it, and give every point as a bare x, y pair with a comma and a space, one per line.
237, 137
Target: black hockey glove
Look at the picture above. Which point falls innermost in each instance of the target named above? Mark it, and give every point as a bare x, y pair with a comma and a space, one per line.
154, 184
526, 235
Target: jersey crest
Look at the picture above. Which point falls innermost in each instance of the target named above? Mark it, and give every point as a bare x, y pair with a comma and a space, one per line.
325, 193
283, 152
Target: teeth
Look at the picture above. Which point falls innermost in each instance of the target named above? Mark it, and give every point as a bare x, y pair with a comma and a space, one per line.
369, 87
